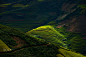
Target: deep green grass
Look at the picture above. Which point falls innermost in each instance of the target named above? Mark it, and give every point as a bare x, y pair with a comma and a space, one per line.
34, 15
43, 51
6, 33
83, 7
50, 50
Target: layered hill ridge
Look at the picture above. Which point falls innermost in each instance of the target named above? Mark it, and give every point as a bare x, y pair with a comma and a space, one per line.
46, 12
36, 46
74, 18
35, 14
48, 33
75, 22
68, 15
16, 39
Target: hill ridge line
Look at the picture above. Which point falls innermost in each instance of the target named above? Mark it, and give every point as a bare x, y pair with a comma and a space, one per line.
13, 51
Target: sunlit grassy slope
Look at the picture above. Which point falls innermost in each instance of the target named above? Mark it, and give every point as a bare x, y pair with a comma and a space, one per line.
48, 33
59, 55
15, 5
39, 49
83, 7
3, 47
70, 53
5, 5
19, 5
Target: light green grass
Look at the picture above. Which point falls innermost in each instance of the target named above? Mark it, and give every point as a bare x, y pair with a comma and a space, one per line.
48, 33
59, 55
5, 5
70, 53
83, 6
19, 5
4, 47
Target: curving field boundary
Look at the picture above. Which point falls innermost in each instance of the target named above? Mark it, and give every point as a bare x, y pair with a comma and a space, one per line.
13, 51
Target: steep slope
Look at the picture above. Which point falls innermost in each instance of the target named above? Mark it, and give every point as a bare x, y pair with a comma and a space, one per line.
16, 39
50, 50
75, 22
36, 47
68, 19
73, 17
67, 53
72, 25
48, 33
3, 46
34, 14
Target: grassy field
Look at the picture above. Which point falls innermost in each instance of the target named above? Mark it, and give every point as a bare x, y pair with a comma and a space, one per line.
3, 47
32, 14
50, 50
70, 53
48, 33
83, 7
7, 34
37, 47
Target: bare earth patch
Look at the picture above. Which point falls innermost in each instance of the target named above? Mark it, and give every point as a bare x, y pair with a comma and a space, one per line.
19, 41
67, 7
59, 26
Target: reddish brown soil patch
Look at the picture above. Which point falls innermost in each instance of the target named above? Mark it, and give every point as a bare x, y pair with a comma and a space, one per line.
26, 47
74, 24
84, 37
67, 7
31, 46
19, 41
72, 27
59, 26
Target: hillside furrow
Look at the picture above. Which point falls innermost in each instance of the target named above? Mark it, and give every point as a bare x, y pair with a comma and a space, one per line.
13, 51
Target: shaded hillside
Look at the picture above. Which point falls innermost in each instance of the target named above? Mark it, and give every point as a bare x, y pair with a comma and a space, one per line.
73, 16
33, 14
50, 50
72, 26
16, 39
67, 19
75, 22
26, 15
35, 47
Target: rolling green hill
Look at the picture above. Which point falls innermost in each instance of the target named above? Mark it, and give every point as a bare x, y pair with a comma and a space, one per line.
64, 36
34, 14
43, 51
35, 47
48, 33
16, 39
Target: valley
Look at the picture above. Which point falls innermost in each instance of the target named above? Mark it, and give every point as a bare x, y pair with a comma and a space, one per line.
43, 28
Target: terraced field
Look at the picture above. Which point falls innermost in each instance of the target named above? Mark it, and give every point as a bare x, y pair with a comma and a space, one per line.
3, 47
48, 33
